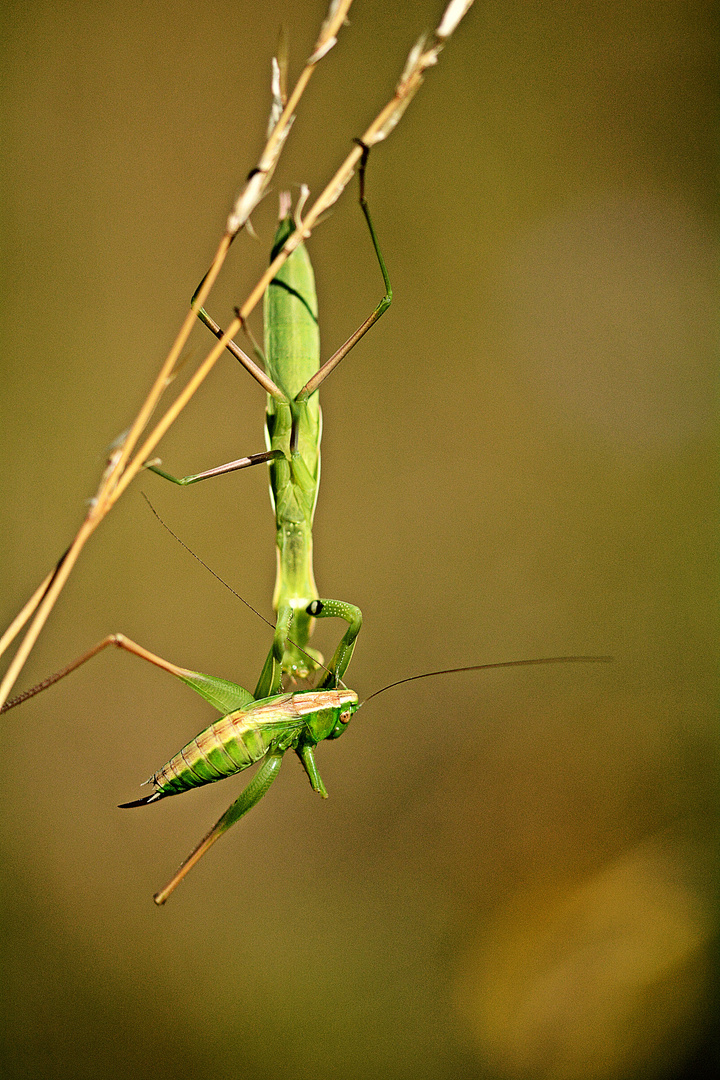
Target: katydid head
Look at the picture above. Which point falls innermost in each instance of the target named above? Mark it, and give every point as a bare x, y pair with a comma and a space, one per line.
348, 709
326, 712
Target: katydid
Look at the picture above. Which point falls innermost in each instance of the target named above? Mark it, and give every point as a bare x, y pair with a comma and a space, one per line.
293, 428
263, 731
256, 729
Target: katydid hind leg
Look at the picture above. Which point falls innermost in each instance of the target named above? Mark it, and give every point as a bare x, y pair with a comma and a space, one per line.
248, 798
222, 694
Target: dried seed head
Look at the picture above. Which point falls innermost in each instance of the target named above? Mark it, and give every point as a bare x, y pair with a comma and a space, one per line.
454, 12
327, 37
277, 97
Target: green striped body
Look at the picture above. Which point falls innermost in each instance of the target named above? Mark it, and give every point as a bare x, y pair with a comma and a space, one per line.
243, 737
292, 355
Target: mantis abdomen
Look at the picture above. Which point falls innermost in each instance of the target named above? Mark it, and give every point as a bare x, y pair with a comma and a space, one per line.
292, 357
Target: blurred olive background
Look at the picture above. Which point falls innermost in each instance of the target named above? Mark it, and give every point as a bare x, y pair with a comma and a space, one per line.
514, 875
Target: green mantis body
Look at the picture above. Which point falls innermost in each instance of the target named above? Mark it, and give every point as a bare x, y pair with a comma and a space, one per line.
292, 351
293, 428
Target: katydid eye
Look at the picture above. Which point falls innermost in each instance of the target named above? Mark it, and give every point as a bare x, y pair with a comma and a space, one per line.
345, 717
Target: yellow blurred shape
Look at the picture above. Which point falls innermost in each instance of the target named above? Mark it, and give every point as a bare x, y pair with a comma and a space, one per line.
595, 980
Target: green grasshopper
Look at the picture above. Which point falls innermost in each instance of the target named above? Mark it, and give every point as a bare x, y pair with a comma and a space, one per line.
262, 730
293, 426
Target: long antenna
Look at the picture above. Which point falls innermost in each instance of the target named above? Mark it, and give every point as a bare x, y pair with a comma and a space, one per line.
229, 587
485, 667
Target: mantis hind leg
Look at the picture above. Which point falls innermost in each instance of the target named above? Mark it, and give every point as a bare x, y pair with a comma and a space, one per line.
319, 377
219, 470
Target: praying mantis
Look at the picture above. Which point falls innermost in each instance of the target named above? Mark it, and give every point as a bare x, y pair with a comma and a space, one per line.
292, 376
293, 429
266, 723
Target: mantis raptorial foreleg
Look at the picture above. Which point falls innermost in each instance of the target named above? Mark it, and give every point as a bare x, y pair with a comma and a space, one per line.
328, 609
292, 622
222, 694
